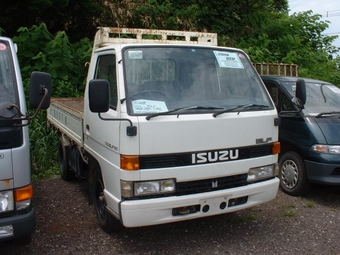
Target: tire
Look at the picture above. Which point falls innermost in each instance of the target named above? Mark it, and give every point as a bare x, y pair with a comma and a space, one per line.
65, 170
292, 174
105, 219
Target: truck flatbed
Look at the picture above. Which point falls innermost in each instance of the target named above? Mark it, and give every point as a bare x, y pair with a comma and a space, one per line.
66, 114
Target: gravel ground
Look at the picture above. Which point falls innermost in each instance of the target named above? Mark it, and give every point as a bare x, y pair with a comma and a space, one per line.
66, 224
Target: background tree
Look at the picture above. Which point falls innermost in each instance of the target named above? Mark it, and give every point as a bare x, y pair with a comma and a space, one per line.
79, 18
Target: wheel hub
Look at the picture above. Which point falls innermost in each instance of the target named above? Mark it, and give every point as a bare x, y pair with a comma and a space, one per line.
289, 174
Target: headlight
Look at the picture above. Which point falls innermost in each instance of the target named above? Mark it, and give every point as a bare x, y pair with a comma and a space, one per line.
261, 173
147, 188
329, 149
6, 201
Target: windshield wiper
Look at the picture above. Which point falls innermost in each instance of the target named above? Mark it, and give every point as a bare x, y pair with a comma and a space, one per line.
181, 109
326, 113
240, 107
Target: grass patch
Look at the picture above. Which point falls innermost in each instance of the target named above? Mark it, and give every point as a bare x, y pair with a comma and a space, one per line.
310, 204
40, 175
242, 219
289, 206
289, 213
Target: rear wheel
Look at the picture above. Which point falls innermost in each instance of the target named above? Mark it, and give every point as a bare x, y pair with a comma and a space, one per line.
65, 170
292, 174
106, 220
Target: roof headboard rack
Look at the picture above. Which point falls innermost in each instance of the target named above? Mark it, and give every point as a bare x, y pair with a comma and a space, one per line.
114, 35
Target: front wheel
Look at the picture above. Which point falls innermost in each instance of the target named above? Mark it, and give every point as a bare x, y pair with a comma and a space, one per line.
106, 220
292, 174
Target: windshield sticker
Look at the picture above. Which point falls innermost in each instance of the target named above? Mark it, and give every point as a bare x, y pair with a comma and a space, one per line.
228, 60
148, 106
136, 54
2, 46
334, 89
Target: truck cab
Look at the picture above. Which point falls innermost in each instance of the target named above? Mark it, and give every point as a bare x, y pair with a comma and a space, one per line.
17, 214
309, 131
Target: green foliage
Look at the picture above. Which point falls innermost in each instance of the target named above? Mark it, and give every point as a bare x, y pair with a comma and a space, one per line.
169, 15
78, 18
296, 39
39, 50
44, 146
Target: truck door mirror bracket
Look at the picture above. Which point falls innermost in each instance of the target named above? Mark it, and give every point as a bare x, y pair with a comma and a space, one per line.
21, 116
130, 130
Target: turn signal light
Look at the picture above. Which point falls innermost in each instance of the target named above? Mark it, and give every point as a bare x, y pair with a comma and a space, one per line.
24, 193
129, 162
276, 148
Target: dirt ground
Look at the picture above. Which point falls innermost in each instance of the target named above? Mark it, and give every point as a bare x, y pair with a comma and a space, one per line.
66, 224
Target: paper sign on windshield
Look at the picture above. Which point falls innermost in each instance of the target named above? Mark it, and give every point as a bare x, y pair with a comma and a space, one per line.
228, 59
136, 54
148, 106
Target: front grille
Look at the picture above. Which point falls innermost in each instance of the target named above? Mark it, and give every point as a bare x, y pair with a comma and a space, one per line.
185, 159
147, 162
336, 171
193, 187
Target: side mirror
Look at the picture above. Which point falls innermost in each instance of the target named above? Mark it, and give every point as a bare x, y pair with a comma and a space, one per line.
299, 100
41, 84
300, 92
99, 96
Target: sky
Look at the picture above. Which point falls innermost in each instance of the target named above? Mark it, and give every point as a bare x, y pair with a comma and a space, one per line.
329, 9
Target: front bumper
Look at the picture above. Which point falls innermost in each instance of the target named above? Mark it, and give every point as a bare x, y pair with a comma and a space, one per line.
323, 173
22, 225
148, 212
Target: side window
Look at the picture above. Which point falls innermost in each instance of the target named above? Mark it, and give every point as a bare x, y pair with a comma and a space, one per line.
106, 69
286, 104
281, 101
274, 92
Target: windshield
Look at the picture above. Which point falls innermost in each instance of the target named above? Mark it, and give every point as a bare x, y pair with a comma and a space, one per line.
321, 97
6, 74
197, 79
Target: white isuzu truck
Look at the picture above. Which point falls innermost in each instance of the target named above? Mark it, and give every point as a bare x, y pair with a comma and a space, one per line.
17, 215
171, 128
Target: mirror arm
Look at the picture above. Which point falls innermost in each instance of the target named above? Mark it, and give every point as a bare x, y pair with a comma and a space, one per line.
28, 117
130, 130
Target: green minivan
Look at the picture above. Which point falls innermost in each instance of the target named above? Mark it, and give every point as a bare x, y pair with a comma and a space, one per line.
309, 131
